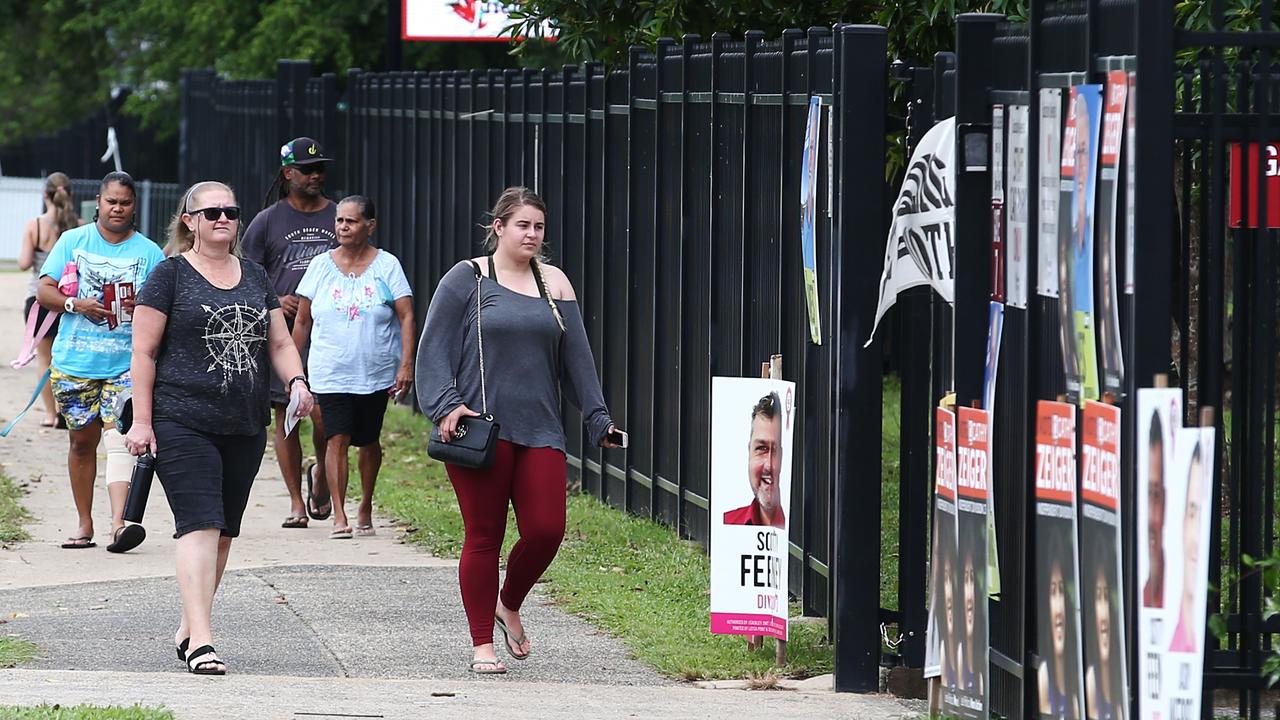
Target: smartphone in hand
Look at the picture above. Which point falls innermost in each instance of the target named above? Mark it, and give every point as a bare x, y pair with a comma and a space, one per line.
619, 438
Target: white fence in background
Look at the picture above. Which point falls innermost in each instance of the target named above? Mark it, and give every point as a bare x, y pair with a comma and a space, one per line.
19, 202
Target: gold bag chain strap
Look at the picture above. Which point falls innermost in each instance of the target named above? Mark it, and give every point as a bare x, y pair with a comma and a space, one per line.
484, 400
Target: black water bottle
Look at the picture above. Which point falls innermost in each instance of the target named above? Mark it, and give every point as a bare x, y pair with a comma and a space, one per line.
144, 470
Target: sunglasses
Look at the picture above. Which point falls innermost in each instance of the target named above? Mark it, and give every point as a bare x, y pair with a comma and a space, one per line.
213, 213
309, 169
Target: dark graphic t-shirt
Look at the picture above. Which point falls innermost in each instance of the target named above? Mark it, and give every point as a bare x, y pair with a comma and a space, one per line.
212, 367
283, 240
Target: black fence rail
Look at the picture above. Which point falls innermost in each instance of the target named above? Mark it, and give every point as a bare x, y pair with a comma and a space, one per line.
673, 194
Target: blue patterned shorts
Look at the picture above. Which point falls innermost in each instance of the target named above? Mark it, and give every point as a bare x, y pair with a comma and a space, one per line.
83, 400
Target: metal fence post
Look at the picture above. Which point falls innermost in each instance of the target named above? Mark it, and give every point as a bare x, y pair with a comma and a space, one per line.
861, 94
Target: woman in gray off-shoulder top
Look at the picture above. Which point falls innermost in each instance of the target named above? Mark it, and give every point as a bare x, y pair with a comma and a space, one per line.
534, 348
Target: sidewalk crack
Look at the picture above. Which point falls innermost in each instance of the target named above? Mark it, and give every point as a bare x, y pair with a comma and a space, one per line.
305, 623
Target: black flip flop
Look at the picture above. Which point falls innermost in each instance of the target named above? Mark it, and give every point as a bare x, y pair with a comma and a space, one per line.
79, 543
196, 666
182, 649
127, 538
311, 506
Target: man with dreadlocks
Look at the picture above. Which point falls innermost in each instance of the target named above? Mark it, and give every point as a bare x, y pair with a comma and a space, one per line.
296, 225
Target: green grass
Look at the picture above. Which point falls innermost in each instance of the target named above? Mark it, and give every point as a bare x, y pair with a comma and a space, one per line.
630, 576
890, 464
12, 514
83, 712
14, 652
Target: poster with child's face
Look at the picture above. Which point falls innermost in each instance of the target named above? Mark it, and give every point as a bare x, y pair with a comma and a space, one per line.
752, 422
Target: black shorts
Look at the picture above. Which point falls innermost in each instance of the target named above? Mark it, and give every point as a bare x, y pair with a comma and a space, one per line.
206, 477
357, 416
43, 313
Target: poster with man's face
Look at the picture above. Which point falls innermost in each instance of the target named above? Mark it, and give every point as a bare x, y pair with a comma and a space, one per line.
967, 696
752, 422
1075, 241
1158, 423
940, 650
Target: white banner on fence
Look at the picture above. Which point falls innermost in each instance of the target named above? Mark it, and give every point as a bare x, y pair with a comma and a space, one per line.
1050, 160
20, 200
921, 247
458, 20
752, 422
1016, 206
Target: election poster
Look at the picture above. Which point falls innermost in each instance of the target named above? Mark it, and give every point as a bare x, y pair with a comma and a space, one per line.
944, 593
998, 256
921, 246
1130, 140
808, 216
1057, 598
1016, 215
968, 698
1075, 241
1186, 582
1108, 316
752, 423
1050, 156
1158, 422
1106, 682
473, 20
991, 369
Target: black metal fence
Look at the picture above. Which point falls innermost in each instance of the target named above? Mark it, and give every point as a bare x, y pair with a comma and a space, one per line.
673, 190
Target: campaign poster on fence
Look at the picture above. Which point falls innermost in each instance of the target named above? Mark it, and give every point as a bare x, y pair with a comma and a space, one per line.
998, 252
991, 371
1130, 175
940, 650
752, 422
1106, 681
1108, 193
968, 699
1050, 150
1075, 243
1057, 597
1159, 419
1016, 206
1187, 578
921, 246
459, 20
808, 216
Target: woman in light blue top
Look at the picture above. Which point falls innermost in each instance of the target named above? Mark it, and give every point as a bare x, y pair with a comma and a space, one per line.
355, 310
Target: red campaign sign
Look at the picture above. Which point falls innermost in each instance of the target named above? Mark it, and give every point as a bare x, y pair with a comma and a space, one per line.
972, 469
1243, 174
1117, 91
945, 449
1055, 451
1100, 478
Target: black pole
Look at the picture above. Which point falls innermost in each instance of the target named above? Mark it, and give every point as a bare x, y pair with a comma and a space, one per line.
857, 252
395, 31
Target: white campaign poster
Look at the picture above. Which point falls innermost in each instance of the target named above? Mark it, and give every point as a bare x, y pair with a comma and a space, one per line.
1130, 140
1050, 158
458, 20
1186, 541
752, 422
921, 246
998, 260
1016, 206
1159, 419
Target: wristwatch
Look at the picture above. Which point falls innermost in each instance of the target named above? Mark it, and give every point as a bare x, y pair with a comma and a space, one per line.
69, 305
298, 378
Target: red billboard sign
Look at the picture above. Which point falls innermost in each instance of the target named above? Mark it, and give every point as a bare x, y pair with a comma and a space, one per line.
1245, 174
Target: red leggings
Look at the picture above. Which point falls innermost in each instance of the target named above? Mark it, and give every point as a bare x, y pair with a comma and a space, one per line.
532, 480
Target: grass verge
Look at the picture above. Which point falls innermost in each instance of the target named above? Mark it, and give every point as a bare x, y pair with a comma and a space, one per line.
14, 652
84, 712
12, 514
635, 578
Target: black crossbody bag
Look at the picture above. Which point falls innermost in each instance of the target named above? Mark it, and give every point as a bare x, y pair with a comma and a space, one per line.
476, 438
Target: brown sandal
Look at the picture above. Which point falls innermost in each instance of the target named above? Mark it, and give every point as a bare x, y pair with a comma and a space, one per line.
294, 521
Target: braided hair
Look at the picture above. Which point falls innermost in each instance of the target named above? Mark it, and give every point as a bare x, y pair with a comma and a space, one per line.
512, 199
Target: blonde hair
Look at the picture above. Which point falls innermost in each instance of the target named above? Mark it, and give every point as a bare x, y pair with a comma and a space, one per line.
181, 237
64, 211
512, 199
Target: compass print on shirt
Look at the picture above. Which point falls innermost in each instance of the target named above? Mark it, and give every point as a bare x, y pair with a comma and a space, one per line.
232, 337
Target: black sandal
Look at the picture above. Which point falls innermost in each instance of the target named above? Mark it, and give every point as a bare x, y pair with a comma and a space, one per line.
126, 538
182, 649
196, 666
312, 508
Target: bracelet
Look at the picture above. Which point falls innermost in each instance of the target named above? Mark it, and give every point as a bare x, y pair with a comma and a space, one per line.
295, 379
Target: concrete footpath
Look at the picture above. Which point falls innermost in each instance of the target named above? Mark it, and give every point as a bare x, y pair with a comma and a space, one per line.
309, 627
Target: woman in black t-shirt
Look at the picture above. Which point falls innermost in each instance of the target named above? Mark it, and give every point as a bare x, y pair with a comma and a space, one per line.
201, 359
